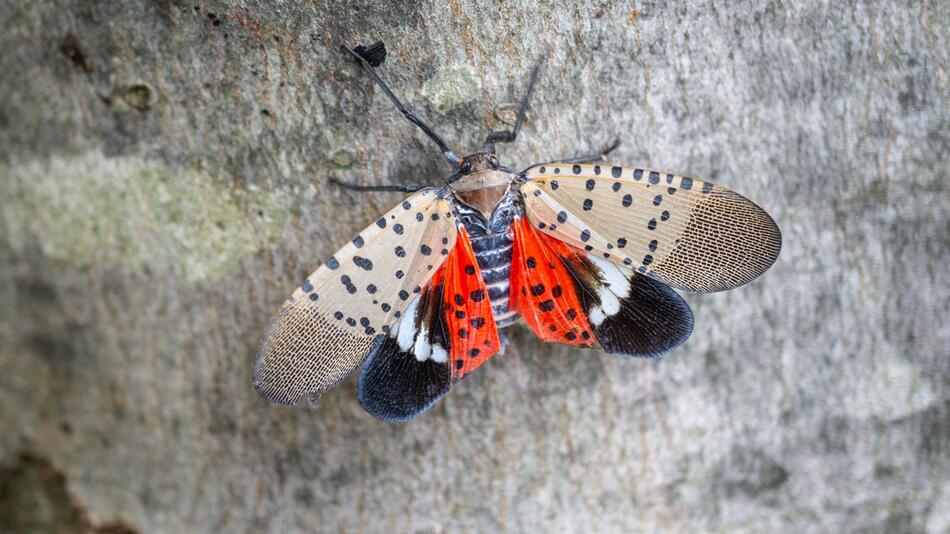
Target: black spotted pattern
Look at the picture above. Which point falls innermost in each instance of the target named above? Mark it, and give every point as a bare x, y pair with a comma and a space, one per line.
363, 263
348, 284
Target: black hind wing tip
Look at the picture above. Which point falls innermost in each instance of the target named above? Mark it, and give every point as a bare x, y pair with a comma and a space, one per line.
652, 321
395, 387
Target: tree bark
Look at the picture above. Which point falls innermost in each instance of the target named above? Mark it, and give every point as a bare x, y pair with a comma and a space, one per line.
164, 172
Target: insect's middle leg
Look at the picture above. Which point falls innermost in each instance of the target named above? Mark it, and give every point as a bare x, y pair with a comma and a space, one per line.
407, 188
590, 158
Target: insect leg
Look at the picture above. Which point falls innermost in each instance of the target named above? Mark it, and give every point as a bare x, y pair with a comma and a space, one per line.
413, 118
592, 157
508, 136
408, 188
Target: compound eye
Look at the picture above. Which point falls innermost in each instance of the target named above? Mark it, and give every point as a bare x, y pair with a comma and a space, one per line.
466, 167
493, 161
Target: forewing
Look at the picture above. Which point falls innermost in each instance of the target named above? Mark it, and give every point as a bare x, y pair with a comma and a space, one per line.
330, 322
684, 232
568, 296
446, 332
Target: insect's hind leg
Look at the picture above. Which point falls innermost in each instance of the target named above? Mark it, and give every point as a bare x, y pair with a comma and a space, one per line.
590, 158
408, 188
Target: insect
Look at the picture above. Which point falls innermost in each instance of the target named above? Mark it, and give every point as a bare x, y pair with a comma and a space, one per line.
584, 253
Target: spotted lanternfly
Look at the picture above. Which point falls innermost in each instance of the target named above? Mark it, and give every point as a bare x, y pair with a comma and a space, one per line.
583, 252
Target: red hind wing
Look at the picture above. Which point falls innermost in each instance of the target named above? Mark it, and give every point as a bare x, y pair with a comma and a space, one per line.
542, 288
467, 310
446, 333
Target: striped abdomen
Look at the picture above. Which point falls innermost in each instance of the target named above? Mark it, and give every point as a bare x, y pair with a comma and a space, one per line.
493, 253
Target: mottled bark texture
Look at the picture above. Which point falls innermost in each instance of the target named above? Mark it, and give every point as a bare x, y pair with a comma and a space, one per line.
164, 173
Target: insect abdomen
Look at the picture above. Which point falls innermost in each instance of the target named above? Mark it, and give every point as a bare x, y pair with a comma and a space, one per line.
493, 253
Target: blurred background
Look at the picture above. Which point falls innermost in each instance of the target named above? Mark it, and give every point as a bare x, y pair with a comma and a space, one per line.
164, 173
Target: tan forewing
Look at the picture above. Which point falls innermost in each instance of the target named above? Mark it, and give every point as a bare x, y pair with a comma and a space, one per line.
687, 233
328, 325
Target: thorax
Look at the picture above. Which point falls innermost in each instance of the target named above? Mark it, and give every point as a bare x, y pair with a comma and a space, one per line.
483, 191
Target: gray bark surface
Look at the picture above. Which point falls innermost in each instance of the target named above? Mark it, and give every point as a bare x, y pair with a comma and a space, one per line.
164, 173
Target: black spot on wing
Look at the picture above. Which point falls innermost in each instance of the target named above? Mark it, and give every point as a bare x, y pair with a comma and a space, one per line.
395, 387
363, 263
